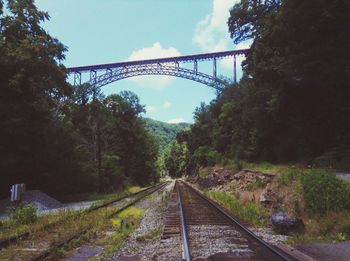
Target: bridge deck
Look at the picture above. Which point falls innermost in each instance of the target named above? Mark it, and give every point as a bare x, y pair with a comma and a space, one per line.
179, 59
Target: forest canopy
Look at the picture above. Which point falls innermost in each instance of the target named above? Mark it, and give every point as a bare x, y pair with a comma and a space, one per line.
292, 103
57, 137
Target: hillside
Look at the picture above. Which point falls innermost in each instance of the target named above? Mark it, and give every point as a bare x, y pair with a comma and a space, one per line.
164, 132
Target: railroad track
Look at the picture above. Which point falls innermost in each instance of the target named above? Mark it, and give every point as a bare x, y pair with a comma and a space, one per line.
14, 239
54, 246
208, 232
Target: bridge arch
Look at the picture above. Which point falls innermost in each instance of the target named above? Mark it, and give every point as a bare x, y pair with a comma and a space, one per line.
156, 69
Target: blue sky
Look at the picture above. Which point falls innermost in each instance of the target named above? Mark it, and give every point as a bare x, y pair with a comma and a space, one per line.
104, 31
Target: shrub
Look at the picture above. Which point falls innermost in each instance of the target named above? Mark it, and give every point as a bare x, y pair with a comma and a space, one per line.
323, 192
25, 214
288, 175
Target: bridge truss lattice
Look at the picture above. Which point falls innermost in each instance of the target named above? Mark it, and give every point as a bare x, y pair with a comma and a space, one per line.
103, 74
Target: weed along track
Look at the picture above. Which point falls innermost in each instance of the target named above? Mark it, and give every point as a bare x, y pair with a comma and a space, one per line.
207, 232
5, 242
46, 243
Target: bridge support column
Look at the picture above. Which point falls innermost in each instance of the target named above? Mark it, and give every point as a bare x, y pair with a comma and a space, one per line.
77, 78
234, 70
93, 75
214, 67
195, 66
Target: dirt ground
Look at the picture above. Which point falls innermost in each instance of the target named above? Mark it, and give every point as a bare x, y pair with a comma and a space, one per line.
327, 252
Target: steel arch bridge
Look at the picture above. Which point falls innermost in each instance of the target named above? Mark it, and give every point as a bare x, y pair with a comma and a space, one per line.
103, 74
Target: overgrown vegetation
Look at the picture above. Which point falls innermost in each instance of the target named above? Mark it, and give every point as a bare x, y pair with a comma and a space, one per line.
66, 224
314, 195
125, 223
24, 218
23, 215
323, 193
249, 212
259, 183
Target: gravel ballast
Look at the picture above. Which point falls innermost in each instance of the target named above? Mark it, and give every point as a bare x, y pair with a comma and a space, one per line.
145, 240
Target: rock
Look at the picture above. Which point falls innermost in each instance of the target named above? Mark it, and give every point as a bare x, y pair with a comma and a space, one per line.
265, 198
268, 187
283, 223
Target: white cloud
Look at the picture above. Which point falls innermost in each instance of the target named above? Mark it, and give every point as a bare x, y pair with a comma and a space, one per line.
153, 52
211, 33
176, 120
166, 105
151, 109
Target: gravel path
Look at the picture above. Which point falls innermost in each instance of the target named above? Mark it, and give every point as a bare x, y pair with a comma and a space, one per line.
344, 176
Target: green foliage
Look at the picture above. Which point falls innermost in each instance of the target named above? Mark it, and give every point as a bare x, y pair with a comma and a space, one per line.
291, 104
323, 192
259, 183
206, 156
289, 174
345, 229
176, 160
50, 132
164, 132
131, 213
24, 215
249, 212
204, 172
34, 142
126, 222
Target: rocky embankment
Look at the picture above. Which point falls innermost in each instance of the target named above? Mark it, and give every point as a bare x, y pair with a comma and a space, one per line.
261, 188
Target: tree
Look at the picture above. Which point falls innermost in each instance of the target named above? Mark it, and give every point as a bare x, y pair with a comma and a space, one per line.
292, 101
176, 160
32, 82
247, 18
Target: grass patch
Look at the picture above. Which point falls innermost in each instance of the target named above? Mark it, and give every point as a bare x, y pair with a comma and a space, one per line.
259, 183
12, 228
263, 167
125, 223
331, 228
103, 197
324, 192
204, 172
250, 212
66, 227
134, 189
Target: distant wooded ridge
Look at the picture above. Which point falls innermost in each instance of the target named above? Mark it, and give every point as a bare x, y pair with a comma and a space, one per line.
164, 132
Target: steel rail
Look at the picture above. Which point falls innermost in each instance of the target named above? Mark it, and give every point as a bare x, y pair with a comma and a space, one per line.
185, 243
281, 254
62, 243
14, 239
